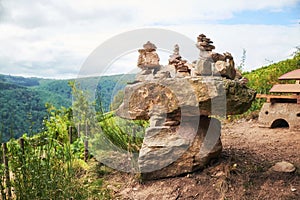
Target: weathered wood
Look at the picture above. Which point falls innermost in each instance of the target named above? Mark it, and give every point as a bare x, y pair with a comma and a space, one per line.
78, 130
3, 193
293, 75
86, 143
261, 96
286, 88
21, 142
6, 167
70, 134
271, 98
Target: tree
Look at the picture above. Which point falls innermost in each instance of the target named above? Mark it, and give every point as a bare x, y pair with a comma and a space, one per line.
83, 114
241, 66
117, 101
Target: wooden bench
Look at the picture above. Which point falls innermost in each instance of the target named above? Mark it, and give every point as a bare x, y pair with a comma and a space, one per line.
279, 98
286, 88
283, 88
293, 89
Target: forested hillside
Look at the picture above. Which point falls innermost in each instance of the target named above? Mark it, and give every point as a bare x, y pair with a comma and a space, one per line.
264, 78
30, 164
23, 99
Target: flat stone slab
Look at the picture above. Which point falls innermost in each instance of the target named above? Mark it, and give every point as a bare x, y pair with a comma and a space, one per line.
195, 96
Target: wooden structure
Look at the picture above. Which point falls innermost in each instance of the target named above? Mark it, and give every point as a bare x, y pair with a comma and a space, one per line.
283, 107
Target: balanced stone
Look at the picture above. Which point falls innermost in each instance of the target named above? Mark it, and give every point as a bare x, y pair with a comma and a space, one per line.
183, 137
148, 61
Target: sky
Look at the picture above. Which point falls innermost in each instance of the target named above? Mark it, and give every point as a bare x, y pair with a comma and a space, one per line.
54, 38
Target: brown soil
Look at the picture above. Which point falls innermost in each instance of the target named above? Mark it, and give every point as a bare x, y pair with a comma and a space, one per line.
241, 172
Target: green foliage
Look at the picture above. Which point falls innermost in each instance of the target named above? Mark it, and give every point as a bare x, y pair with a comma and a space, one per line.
83, 110
109, 86
21, 110
264, 78
18, 80
42, 165
241, 66
59, 87
77, 148
47, 166
23, 99
117, 101
124, 134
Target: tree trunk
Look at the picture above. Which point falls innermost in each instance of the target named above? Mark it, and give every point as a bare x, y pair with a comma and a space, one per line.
7, 178
86, 143
2, 187
21, 142
70, 134
78, 130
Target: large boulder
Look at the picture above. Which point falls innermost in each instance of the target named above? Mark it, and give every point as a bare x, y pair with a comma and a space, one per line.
168, 152
195, 96
181, 137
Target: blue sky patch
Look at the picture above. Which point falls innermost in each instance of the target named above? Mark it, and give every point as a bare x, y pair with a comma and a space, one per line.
286, 16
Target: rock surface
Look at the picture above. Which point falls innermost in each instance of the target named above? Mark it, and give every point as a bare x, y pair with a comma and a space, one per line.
168, 152
182, 138
195, 95
181, 66
273, 114
283, 166
225, 69
148, 61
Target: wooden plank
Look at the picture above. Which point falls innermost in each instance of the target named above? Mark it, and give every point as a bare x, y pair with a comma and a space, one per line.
293, 75
286, 88
270, 96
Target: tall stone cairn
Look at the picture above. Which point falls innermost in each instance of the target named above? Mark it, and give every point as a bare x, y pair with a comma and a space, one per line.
181, 66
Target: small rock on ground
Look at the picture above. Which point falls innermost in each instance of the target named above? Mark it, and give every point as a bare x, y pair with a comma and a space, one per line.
283, 166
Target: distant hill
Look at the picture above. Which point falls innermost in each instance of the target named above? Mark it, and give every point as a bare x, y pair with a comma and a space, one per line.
23, 99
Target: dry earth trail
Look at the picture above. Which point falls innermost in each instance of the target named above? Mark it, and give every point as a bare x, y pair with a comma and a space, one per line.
241, 172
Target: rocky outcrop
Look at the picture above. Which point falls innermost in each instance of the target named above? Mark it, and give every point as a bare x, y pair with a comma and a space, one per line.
168, 152
194, 95
183, 137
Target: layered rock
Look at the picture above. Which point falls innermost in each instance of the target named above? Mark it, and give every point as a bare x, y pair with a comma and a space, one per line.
224, 65
181, 66
211, 63
171, 151
198, 95
182, 136
148, 61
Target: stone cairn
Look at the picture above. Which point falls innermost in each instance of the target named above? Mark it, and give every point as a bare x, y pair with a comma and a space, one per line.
148, 61
210, 63
181, 66
182, 137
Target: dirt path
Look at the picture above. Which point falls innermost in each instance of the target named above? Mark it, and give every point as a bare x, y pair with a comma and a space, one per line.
270, 144
241, 172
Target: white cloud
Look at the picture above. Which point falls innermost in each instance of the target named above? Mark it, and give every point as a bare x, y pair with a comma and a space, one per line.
53, 38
